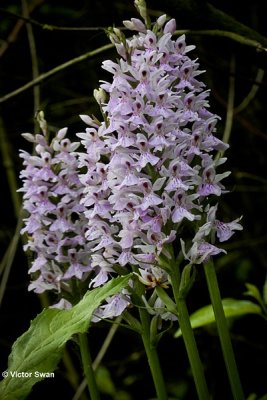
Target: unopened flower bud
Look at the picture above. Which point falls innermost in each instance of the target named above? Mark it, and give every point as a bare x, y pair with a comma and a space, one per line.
161, 20
141, 7
29, 137
41, 121
100, 95
135, 25
117, 32
90, 121
170, 27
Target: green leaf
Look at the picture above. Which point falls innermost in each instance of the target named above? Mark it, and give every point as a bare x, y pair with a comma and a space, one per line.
253, 291
40, 348
232, 309
252, 396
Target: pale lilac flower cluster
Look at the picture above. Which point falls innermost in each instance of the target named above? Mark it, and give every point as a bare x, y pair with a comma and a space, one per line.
150, 165
146, 171
55, 225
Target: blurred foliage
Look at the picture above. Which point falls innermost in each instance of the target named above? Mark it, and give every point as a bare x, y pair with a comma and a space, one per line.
235, 65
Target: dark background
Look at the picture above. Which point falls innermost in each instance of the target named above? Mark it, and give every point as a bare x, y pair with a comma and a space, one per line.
67, 94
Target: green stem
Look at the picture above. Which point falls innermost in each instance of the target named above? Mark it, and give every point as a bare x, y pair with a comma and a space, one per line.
88, 367
149, 345
223, 331
246, 41
55, 70
188, 337
230, 103
152, 356
8, 163
7, 262
100, 355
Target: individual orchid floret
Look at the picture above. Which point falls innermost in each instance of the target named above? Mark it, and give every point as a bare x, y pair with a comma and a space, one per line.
223, 230
114, 306
200, 252
154, 277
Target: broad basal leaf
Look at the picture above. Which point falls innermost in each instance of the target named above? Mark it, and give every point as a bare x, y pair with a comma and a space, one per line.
232, 308
40, 348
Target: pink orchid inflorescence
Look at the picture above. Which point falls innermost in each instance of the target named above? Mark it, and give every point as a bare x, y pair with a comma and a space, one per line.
148, 169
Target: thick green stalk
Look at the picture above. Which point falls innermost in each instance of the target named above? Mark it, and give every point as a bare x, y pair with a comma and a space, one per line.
188, 337
223, 331
152, 356
149, 345
88, 367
